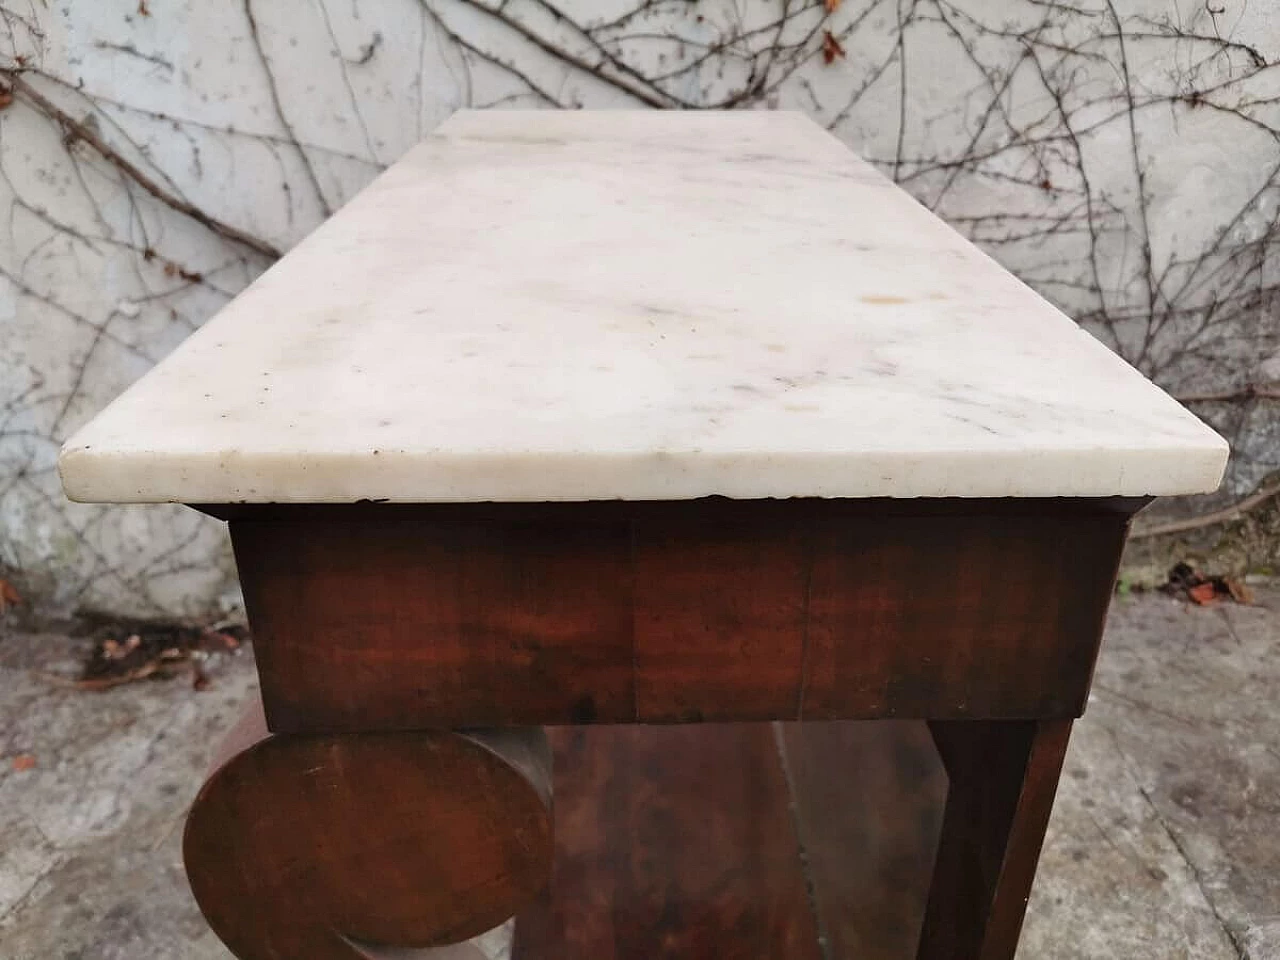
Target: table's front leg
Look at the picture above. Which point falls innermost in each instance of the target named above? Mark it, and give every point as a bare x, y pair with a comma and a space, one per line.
1003, 776
327, 847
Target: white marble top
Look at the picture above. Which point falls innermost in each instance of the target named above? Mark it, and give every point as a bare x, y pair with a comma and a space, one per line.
635, 305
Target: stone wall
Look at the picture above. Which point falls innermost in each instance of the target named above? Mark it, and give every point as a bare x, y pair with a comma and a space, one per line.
155, 156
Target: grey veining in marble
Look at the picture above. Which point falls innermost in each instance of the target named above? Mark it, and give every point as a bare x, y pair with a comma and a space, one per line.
640, 305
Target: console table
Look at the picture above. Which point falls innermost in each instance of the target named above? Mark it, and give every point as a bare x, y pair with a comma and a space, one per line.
626, 465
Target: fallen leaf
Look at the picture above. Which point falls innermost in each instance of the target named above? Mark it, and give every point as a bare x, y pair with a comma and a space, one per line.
831, 47
220, 638
6, 98
106, 683
24, 761
1239, 590
833, 5
129, 651
118, 651
1203, 593
9, 597
143, 9
1182, 576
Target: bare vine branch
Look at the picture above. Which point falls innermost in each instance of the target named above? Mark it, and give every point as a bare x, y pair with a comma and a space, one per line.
1235, 511
80, 132
1064, 143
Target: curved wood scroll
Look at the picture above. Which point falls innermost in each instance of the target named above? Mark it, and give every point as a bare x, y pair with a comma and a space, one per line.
331, 847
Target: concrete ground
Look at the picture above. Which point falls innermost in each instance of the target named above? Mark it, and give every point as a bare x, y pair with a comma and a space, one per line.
1165, 841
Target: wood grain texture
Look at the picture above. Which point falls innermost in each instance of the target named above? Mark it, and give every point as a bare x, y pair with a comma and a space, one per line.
958, 615
723, 600
868, 802
329, 847
814, 841
391, 617
739, 842
391, 624
671, 843
1003, 777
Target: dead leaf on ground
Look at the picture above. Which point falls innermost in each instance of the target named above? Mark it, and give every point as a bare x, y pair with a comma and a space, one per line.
1188, 583
115, 651
9, 597
832, 5
831, 47
117, 680
1203, 593
126, 652
143, 9
24, 761
1239, 590
6, 98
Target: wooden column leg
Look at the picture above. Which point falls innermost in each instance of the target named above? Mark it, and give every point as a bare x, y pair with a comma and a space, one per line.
333, 847
1003, 778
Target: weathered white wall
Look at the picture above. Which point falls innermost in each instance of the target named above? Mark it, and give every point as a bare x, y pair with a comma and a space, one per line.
154, 155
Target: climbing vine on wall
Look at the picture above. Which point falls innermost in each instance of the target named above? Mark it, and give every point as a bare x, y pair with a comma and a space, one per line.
1122, 159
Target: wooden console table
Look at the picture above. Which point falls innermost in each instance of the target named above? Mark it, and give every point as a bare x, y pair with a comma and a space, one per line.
613, 464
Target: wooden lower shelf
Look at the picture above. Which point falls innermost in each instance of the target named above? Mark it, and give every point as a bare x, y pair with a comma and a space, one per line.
739, 842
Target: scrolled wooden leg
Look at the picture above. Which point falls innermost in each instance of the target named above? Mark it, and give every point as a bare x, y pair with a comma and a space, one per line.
352, 846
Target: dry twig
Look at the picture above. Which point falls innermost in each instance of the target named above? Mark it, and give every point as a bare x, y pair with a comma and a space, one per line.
79, 131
